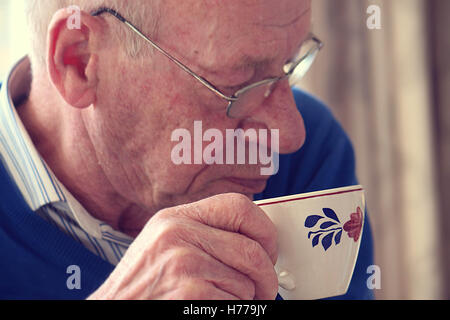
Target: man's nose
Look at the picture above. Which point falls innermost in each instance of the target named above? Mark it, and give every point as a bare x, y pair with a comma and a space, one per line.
279, 111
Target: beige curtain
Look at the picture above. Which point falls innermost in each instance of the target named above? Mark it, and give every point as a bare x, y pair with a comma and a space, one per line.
439, 26
388, 89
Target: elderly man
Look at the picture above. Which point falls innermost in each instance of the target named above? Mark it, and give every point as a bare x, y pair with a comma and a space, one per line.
87, 178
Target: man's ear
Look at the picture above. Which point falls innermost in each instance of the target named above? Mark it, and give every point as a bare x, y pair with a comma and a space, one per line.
72, 59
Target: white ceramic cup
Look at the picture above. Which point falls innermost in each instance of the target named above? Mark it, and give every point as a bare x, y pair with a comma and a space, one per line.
319, 235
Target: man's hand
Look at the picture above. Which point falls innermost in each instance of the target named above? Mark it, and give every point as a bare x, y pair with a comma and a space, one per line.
223, 247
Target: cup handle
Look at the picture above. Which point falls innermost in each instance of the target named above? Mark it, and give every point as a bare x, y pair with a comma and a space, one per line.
286, 280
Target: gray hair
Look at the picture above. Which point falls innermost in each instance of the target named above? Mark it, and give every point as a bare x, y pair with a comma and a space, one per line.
40, 12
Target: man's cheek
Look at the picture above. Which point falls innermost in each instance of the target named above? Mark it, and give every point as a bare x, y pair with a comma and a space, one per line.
173, 178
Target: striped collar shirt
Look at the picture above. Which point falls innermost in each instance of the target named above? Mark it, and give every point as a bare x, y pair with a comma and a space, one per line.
40, 188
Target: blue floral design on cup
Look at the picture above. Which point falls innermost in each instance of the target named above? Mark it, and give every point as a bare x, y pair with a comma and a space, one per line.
330, 228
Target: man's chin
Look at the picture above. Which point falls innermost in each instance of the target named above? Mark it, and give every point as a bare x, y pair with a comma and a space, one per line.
231, 186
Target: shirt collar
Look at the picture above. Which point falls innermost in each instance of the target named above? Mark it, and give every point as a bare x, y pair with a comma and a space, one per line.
21, 158
35, 180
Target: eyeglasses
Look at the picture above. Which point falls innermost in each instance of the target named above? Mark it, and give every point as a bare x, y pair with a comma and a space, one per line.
242, 102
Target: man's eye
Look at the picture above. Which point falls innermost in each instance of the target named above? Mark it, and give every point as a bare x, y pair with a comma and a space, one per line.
233, 89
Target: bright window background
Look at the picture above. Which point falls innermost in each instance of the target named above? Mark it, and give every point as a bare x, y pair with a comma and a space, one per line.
14, 38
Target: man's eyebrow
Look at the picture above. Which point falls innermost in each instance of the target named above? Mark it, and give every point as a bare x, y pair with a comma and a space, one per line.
248, 62
244, 64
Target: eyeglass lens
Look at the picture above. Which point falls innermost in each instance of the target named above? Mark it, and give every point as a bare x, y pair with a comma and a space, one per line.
254, 97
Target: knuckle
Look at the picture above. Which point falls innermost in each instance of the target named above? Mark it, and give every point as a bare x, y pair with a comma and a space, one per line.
240, 200
242, 205
271, 238
161, 215
268, 287
238, 284
272, 231
169, 214
254, 254
259, 263
249, 290
170, 232
272, 281
194, 289
160, 235
166, 239
182, 262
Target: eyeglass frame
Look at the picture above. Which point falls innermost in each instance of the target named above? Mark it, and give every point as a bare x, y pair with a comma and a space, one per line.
206, 83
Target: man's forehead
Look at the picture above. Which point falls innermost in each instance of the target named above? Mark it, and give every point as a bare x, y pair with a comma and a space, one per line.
246, 31
279, 13
260, 12
268, 13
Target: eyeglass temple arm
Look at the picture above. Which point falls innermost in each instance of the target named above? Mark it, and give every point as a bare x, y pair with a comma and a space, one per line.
154, 45
319, 46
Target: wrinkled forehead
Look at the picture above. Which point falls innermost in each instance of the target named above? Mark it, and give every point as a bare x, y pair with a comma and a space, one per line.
221, 33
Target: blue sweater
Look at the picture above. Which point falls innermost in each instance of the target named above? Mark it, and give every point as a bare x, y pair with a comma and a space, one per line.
34, 255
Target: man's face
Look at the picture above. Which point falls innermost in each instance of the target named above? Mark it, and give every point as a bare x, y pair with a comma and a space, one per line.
139, 104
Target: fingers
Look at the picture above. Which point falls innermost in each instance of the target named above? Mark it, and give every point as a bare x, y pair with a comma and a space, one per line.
243, 254
192, 263
222, 247
236, 213
197, 289
232, 249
